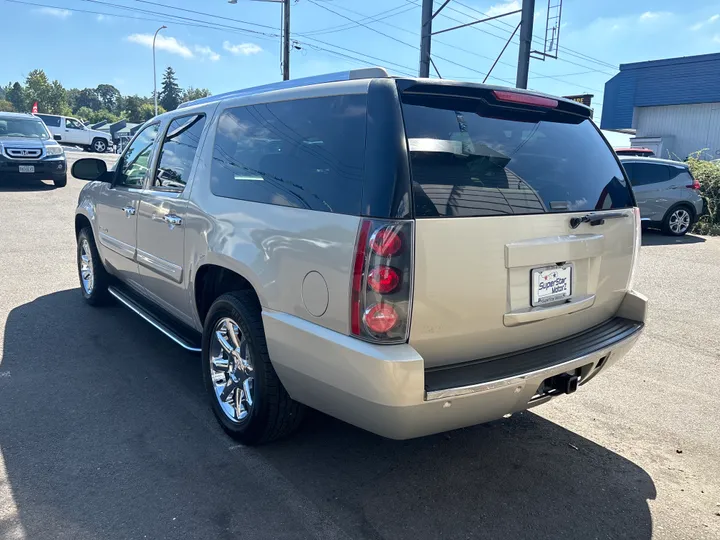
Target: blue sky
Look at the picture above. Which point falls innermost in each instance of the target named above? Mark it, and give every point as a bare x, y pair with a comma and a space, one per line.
85, 49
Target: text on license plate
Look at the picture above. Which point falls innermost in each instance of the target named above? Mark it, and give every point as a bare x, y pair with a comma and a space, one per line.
551, 284
27, 168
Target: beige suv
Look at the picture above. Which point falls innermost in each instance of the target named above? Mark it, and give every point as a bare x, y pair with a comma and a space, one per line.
407, 255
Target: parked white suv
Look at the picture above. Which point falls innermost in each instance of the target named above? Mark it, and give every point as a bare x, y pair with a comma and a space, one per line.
67, 130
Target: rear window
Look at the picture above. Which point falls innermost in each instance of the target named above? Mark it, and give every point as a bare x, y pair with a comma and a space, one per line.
306, 153
52, 121
506, 161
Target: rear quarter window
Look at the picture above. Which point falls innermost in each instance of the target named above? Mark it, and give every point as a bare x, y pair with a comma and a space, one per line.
306, 153
50, 121
467, 164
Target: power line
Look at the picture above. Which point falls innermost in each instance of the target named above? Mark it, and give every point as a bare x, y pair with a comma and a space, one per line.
375, 18
536, 40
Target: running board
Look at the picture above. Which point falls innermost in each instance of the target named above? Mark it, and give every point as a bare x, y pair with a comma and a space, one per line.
171, 329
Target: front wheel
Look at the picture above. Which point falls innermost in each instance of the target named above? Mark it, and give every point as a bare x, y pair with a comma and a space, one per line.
678, 221
99, 146
247, 397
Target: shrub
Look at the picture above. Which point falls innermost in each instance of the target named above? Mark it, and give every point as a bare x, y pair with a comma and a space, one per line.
708, 174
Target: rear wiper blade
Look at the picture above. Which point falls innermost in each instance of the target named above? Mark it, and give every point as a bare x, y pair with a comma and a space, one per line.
595, 218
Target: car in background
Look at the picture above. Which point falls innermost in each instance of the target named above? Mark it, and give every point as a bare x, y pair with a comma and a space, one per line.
639, 152
291, 239
72, 131
666, 192
28, 151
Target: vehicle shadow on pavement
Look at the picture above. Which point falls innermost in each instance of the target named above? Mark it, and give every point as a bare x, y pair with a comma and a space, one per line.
105, 432
25, 185
655, 238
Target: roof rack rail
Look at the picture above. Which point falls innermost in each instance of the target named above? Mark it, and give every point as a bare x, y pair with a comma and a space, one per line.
353, 74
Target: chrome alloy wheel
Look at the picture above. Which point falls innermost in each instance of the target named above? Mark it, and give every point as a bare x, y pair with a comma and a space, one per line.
87, 273
679, 221
231, 370
100, 146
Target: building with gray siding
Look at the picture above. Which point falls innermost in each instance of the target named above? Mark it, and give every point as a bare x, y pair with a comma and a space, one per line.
673, 105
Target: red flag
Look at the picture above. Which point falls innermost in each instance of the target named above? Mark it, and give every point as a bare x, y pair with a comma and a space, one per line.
35, 108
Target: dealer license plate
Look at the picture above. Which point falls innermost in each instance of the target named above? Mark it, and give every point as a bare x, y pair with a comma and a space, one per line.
551, 284
27, 168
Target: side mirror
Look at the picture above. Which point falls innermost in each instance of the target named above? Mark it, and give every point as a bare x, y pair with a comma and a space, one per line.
57, 137
91, 169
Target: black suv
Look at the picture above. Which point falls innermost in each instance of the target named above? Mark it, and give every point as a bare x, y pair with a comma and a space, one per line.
28, 151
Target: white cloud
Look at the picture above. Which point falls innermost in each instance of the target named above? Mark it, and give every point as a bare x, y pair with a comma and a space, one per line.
100, 18
55, 12
169, 44
499, 9
716, 38
242, 49
206, 52
698, 26
653, 15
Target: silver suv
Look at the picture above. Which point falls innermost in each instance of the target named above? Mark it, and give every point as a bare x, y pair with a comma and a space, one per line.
407, 255
666, 192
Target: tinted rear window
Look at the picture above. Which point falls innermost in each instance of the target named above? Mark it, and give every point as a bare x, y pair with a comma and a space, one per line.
53, 121
506, 162
306, 153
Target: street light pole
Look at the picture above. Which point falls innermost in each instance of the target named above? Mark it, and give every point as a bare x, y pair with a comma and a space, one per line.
154, 71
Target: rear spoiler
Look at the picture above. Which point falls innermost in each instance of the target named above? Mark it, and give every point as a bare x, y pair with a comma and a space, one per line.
494, 96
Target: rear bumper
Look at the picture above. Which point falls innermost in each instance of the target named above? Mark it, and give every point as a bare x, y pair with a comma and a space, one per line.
386, 389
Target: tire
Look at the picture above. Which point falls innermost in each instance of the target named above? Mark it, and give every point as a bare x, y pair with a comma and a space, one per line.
97, 293
678, 220
100, 146
60, 181
272, 414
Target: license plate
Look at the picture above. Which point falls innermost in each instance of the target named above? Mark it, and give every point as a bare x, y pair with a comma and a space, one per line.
27, 168
551, 284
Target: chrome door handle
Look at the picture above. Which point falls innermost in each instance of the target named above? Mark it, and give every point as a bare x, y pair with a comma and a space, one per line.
129, 211
172, 220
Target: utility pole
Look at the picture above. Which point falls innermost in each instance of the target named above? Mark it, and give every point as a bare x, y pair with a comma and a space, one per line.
425, 37
286, 40
526, 33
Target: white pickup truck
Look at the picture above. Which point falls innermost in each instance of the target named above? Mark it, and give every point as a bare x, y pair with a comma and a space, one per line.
68, 130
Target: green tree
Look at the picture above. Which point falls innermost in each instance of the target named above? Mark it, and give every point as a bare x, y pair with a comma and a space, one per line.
110, 97
170, 94
51, 97
6, 106
16, 95
191, 94
147, 111
88, 97
132, 109
84, 113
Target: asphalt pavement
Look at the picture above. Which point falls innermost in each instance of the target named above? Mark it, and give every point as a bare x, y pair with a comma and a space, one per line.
105, 432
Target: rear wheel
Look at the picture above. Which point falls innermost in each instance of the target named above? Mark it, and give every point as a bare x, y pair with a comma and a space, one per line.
93, 277
247, 397
678, 221
99, 146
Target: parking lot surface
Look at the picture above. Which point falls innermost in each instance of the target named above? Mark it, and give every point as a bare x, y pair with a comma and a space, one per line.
105, 432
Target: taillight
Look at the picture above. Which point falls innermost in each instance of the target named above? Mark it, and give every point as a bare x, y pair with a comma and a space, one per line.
381, 281
525, 99
380, 318
694, 185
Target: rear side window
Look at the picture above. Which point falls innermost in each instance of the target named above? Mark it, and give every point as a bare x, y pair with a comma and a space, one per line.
306, 153
467, 164
643, 174
51, 121
178, 152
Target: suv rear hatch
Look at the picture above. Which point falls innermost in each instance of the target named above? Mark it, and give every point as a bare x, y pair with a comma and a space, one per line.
504, 260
